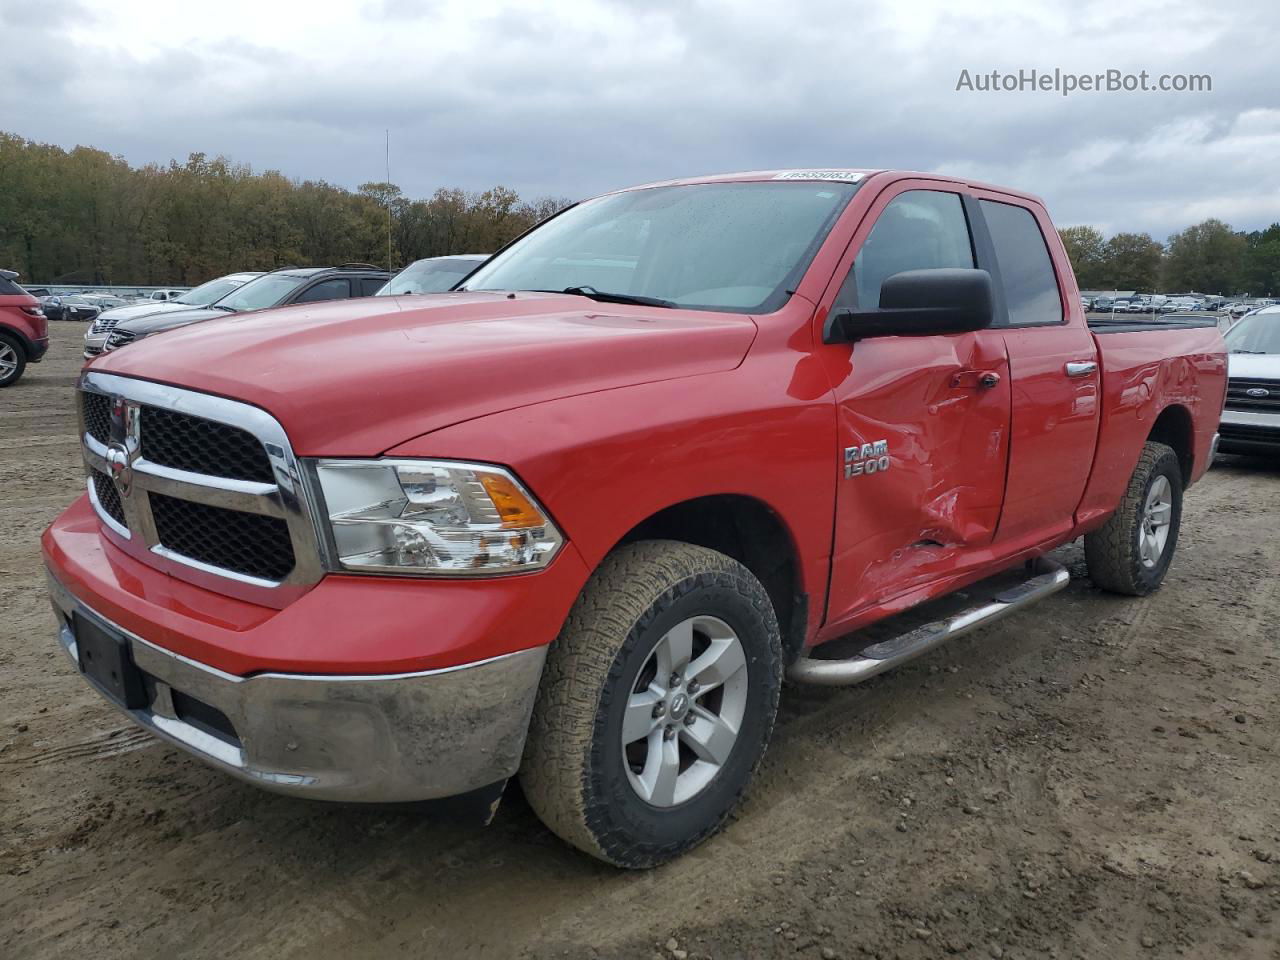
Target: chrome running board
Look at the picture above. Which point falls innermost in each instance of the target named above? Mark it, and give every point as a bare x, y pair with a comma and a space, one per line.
1046, 578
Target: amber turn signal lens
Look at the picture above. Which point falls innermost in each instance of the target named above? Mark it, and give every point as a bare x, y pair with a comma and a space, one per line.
514, 508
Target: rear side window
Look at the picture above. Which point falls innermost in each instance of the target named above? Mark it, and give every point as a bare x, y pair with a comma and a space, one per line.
336, 289
9, 289
918, 230
1026, 270
370, 285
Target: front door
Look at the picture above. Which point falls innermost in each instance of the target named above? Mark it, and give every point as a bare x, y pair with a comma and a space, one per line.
922, 422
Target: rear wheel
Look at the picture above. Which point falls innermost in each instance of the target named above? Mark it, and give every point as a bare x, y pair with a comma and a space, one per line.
13, 360
656, 704
1131, 553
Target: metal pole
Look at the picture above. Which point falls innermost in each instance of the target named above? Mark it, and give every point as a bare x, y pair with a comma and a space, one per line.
389, 270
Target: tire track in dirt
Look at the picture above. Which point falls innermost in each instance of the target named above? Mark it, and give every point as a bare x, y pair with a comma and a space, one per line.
1044, 729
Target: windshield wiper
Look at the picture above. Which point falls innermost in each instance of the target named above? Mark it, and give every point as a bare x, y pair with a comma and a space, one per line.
1259, 352
604, 297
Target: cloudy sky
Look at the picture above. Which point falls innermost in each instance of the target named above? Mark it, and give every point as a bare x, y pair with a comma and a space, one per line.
580, 96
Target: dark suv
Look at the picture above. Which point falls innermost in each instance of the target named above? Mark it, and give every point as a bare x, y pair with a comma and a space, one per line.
279, 288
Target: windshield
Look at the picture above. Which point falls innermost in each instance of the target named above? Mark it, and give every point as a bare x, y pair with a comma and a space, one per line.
263, 292
737, 247
427, 276
1257, 334
210, 292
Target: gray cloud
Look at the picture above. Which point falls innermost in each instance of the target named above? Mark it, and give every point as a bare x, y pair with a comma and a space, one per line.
588, 96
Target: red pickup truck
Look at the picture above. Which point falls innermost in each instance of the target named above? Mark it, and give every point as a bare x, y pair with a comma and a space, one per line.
577, 518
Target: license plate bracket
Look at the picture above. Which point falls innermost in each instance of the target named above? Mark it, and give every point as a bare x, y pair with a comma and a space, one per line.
105, 659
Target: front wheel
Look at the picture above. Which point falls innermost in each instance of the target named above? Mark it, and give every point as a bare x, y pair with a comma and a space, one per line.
657, 702
1131, 553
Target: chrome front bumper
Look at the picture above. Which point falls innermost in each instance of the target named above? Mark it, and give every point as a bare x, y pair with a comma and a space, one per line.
400, 737
1247, 430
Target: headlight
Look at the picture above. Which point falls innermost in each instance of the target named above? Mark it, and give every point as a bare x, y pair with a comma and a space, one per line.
433, 517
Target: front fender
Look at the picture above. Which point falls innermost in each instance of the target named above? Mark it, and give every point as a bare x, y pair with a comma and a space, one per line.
604, 462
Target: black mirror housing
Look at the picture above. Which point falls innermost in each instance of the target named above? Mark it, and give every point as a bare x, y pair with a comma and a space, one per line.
920, 303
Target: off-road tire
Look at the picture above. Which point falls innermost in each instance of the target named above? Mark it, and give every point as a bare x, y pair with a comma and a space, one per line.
573, 771
1111, 552
9, 379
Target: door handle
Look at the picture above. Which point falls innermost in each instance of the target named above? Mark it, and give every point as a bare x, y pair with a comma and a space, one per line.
1081, 368
976, 378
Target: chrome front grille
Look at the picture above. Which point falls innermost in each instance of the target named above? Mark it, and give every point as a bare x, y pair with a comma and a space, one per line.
184, 442
202, 487
120, 338
107, 498
104, 324
96, 410
248, 543
1262, 396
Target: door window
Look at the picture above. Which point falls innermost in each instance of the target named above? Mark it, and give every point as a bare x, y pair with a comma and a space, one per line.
1026, 269
918, 230
335, 289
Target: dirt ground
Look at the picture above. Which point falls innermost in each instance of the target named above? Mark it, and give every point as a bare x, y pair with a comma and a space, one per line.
1096, 777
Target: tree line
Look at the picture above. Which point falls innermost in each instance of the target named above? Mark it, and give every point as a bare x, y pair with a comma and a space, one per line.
1208, 257
86, 216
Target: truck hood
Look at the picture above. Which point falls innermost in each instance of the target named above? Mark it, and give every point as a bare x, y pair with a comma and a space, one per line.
1254, 366
357, 377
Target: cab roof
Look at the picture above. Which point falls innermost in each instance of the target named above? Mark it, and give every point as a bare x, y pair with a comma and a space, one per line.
833, 175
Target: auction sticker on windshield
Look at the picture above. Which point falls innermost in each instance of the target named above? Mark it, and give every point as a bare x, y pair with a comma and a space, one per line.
844, 176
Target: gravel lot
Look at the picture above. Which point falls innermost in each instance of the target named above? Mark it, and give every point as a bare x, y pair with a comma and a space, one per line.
1096, 777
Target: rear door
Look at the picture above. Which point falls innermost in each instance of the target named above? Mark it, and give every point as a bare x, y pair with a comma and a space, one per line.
335, 288
922, 422
368, 286
1053, 367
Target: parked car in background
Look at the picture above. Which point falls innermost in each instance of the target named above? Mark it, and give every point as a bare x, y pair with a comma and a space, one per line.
1086, 303
70, 307
1120, 306
95, 339
279, 288
24, 329
38, 292
432, 275
1251, 421
105, 301
1101, 304
164, 295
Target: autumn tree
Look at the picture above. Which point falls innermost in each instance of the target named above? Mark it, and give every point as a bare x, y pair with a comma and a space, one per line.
1208, 257
1086, 249
1132, 262
1262, 262
87, 216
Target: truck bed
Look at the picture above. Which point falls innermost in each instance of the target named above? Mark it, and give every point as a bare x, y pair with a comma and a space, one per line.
1176, 362
1130, 325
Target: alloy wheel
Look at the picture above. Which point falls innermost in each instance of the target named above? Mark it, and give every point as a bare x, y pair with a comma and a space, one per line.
685, 710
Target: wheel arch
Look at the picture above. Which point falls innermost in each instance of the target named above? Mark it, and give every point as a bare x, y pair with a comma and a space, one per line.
1175, 428
753, 533
18, 338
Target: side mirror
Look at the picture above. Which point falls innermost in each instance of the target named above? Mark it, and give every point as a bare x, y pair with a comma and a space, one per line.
919, 303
